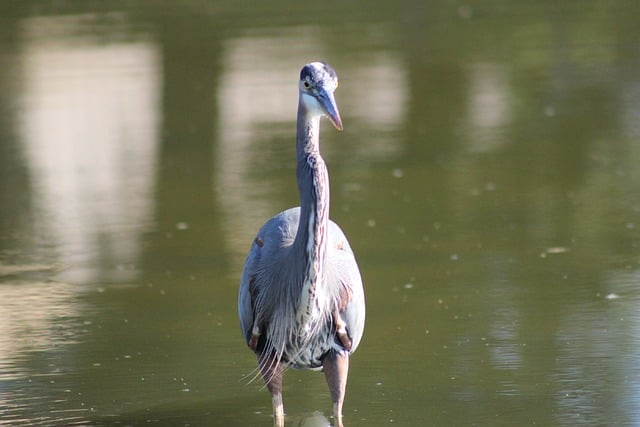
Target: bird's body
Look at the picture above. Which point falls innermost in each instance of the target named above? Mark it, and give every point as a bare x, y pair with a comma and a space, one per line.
297, 349
301, 301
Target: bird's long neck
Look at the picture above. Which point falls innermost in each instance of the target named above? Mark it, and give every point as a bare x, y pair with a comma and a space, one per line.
313, 185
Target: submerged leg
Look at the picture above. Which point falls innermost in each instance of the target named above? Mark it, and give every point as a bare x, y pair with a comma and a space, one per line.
336, 369
271, 371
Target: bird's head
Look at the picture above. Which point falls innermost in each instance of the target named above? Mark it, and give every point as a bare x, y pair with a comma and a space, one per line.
318, 81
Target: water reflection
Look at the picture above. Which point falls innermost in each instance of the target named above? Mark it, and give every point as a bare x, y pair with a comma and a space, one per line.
317, 419
489, 107
37, 318
89, 135
27, 312
584, 395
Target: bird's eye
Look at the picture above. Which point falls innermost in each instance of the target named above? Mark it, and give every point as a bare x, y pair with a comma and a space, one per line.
306, 84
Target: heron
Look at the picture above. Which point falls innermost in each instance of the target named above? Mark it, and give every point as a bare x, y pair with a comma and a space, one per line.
301, 301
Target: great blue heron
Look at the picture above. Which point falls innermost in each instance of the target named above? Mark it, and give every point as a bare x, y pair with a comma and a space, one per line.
301, 301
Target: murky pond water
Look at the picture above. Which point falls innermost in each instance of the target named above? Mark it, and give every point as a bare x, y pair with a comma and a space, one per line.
488, 179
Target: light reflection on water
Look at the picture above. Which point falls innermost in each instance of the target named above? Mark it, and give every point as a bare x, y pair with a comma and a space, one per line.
590, 356
89, 133
488, 195
489, 107
27, 312
36, 318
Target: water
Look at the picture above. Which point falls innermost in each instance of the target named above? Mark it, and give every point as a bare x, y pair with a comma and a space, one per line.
488, 179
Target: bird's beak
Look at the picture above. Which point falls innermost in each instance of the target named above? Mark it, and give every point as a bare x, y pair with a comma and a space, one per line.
330, 108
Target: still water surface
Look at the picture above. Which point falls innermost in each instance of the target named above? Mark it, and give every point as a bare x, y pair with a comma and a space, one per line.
488, 179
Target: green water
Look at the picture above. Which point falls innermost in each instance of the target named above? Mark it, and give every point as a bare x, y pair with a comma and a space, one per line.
488, 179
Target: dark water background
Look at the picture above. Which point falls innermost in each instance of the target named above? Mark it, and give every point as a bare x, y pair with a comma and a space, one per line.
488, 179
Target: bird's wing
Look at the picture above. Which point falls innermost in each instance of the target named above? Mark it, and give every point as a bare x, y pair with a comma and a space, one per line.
245, 303
266, 248
342, 270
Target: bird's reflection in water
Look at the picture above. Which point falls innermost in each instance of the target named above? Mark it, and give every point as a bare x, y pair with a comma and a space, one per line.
316, 419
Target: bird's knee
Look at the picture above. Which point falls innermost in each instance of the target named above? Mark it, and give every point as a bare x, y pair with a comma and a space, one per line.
255, 337
341, 331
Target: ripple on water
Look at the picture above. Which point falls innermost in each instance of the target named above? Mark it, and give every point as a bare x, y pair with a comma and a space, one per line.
34, 324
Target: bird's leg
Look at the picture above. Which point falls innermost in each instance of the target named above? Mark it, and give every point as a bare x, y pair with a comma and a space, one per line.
336, 368
341, 330
272, 371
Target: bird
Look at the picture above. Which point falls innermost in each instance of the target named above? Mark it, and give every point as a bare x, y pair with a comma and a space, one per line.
301, 301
